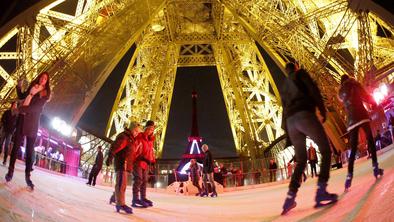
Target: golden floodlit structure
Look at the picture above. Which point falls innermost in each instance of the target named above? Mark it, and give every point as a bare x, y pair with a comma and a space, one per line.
81, 41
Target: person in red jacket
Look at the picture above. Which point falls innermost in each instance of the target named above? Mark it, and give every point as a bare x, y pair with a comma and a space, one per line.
144, 157
122, 150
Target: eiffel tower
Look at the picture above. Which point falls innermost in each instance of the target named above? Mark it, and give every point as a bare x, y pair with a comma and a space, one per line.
81, 41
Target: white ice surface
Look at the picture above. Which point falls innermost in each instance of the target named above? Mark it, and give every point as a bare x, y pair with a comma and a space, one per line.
63, 198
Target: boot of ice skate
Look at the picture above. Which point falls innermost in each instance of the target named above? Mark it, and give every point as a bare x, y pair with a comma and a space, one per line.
139, 203
125, 208
289, 202
112, 198
323, 197
29, 182
377, 172
348, 181
148, 202
8, 176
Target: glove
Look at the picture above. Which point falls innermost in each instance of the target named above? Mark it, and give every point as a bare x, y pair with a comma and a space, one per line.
108, 162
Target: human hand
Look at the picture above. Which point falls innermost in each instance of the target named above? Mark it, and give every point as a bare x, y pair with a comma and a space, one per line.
36, 89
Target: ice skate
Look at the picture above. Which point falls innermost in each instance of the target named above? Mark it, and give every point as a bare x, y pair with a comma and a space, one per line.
377, 172
348, 181
8, 177
112, 199
139, 204
289, 202
214, 194
148, 202
324, 198
125, 208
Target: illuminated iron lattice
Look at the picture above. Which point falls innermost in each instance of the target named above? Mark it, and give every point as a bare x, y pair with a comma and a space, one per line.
80, 41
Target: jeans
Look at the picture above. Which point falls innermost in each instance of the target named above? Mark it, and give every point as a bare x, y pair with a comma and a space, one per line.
140, 177
120, 188
6, 139
206, 177
354, 142
299, 126
29, 151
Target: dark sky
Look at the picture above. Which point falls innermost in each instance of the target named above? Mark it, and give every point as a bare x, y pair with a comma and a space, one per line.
211, 111
212, 116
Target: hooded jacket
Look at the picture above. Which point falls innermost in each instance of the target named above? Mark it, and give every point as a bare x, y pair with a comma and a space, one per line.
145, 154
123, 149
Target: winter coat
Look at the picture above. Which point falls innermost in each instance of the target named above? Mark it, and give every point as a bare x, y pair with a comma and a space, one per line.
31, 114
145, 155
123, 150
99, 161
8, 120
194, 171
300, 93
208, 162
353, 95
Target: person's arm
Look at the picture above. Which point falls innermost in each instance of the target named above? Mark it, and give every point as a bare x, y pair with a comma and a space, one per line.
366, 97
34, 107
313, 91
20, 94
118, 145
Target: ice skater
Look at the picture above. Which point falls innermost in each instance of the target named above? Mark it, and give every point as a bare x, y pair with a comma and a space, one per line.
208, 172
122, 150
8, 121
195, 172
300, 97
352, 95
312, 159
98, 164
34, 99
144, 158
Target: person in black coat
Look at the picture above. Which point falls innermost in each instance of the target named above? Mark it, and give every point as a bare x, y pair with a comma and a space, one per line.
208, 172
34, 99
8, 121
353, 97
273, 168
301, 97
98, 164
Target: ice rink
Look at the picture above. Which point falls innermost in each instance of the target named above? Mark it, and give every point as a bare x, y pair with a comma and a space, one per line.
63, 198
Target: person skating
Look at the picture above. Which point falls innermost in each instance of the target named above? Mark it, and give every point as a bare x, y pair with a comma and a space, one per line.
208, 172
195, 172
352, 95
98, 164
122, 150
8, 120
300, 97
144, 157
273, 167
312, 158
34, 99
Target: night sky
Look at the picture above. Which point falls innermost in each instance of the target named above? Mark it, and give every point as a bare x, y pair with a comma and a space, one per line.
213, 121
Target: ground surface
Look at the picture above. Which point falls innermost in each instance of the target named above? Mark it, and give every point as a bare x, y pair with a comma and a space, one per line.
62, 198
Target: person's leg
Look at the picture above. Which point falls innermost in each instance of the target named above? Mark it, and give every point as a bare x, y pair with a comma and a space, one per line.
145, 176
205, 182
212, 182
137, 185
2, 139
121, 180
353, 137
372, 148
6, 147
96, 172
16, 147
29, 153
90, 176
